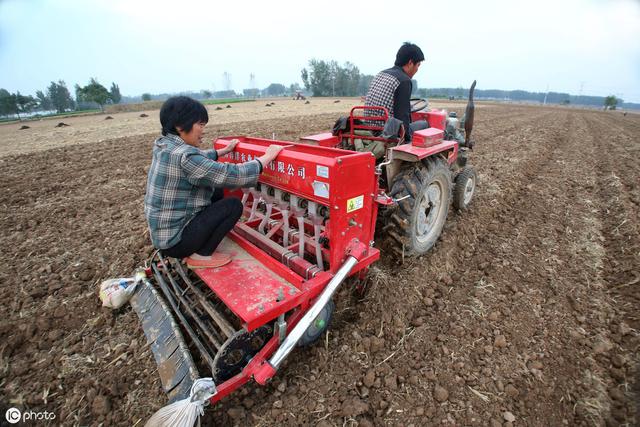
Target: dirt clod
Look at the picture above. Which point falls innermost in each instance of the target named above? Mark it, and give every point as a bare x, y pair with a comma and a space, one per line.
440, 393
391, 382
500, 341
353, 407
511, 391
508, 417
101, 405
236, 413
616, 394
369, 378
617, 361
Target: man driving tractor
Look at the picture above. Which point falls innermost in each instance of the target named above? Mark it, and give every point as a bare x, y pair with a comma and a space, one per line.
392, 88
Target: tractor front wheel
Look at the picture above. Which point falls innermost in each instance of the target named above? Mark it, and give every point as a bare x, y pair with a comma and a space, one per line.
419, 219
464, 188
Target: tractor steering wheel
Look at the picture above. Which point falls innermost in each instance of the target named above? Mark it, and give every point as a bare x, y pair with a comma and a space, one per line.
418, 104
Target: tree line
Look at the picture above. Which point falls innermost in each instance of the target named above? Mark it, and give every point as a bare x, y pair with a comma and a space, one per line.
320, 78
328, 78
610, 102
274, 89
57, 97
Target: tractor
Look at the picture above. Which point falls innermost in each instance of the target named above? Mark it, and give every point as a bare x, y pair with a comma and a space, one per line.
417, 181
315, 218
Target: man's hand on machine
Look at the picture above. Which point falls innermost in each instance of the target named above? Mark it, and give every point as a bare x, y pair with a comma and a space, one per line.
270, 155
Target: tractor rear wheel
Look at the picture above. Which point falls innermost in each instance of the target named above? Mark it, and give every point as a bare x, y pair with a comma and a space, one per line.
419, 219
465, 187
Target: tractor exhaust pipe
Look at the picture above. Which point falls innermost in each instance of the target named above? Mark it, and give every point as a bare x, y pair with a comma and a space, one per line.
469, 113
269, 368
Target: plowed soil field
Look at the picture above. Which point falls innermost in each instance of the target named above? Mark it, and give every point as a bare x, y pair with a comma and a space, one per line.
527, 311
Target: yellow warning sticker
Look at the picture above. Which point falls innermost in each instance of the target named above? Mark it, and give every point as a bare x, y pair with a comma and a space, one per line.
355, 203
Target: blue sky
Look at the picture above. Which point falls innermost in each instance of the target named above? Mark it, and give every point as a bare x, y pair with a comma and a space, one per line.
585, 47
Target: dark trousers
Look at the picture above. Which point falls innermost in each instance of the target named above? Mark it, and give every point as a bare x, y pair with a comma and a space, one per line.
205, 231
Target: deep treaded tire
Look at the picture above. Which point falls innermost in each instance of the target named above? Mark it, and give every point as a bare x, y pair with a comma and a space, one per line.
464, 188
417, 223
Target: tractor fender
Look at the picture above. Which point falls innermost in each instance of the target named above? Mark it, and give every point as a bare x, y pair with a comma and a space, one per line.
411, 153
407, 153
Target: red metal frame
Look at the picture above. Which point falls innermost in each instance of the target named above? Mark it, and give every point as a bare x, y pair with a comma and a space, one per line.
432, 137
419, 153
353, 126
436, 118
427, 137
246, 375
343, 181
252, 285
325, 139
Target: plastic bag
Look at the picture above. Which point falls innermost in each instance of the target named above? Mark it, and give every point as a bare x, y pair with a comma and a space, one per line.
114, 293
186, 412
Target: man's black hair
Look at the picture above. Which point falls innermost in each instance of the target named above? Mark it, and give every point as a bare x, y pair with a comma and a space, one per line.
408, 51
182, 112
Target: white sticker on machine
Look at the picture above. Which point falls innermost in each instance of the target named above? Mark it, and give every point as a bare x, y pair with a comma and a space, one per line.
322, 171
355, 203
321, 189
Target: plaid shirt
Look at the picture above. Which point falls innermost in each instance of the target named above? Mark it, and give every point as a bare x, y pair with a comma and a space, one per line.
181, 182
391, 89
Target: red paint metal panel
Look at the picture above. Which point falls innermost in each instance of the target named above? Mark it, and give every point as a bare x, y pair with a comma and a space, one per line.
275, 266
436, 118
423, 152
248, 288
297, 167
427, 137
325, 139
342, 180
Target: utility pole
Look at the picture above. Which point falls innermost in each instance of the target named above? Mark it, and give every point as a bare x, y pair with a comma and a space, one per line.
545, 96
